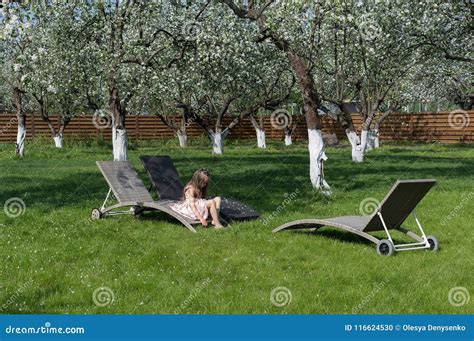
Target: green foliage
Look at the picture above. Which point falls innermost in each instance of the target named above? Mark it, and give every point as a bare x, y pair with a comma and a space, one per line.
158, 53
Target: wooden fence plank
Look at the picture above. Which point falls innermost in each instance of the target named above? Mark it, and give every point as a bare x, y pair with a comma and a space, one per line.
442, 127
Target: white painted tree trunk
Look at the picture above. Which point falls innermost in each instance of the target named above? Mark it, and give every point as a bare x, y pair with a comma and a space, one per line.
261, 143
372, 140
364, 137
357, 152
376, 139
217, 143
20, 140
183, 138
317, 156
120, 144
367, 137
58, 141
288, 141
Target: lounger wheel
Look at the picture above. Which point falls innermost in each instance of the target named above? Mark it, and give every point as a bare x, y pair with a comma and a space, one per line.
385, 248
434, 244
96, 214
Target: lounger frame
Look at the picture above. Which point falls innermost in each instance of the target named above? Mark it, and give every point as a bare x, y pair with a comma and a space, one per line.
135, 208
315, 224
421, 241
361, 225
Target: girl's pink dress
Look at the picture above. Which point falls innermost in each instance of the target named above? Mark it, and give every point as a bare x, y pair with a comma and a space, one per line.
184, 207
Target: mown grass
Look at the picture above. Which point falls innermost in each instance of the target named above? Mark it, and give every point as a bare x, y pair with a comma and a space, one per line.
53, 257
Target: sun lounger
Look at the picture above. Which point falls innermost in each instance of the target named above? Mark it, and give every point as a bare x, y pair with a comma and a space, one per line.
130, 192
168, 184
397, 205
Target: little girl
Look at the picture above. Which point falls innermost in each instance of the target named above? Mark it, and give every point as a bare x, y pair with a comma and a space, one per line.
194, 204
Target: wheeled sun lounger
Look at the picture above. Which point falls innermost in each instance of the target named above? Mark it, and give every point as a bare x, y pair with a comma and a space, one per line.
397, 205
168, 184
127, 187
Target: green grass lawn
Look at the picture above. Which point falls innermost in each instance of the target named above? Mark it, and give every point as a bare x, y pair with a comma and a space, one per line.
53, 257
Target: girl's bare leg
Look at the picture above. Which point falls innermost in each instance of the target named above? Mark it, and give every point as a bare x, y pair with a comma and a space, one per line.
211, 204
218, 201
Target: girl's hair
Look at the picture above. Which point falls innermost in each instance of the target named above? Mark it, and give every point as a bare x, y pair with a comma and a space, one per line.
198, 182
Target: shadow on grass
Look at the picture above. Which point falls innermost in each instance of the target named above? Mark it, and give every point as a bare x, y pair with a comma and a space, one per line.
331, 234
342, 236
259, 180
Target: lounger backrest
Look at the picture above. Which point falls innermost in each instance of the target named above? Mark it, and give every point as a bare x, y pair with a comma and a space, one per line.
399, 203
124, 181
164, 176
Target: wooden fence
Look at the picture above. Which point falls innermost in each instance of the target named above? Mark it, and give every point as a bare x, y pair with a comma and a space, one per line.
454, 127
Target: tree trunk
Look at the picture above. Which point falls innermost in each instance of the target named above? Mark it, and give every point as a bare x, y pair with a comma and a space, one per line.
21, 118
259, 130
372, 139
376, 138
55, 134
310, 96
119, 132
182, 137
357, 153
317, 157
63, 122
182, 134
216, 137
261, 138
217, 140
376, 130
364, 138
345, 120
288, 134
365, 134
21, 138
58, 140
179, 130
58, 134
311, 101
120, 144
